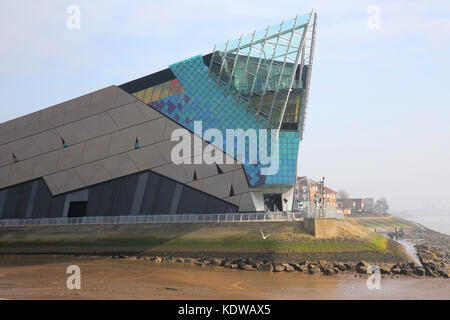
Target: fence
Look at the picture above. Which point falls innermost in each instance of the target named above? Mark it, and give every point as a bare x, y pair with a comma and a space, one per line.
179, 218
185, 218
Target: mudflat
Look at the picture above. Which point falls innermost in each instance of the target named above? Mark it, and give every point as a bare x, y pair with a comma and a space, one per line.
44, 277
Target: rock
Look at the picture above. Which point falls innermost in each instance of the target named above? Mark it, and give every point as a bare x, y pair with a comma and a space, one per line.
349, 266
268, 267
278, 267
429, 272
302, 263
396, 270
363, 263
299, 268
249, 261
362, 266
206, 261
419, 271
216, 262
328, 271
444, 273
234, 266
411, 265
322, 263
314, 270
246, 267
407, 272
340, 266
288, 267
179, 260
156, 259
384, 269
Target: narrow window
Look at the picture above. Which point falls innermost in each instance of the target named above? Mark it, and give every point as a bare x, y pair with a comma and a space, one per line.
231, 191
136, 145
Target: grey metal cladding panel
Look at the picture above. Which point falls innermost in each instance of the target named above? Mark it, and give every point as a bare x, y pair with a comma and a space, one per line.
123, 140
52, 117
6, 156
205, 170
124, 97
7, 131
218, 185
51, 185
229, 167
24, 148
96, 149
27, 125
127, 116
240, 184
4, 176
74, 132
234, 200
71, 156
21, 171
77, 108
151, 132
48, 140
120, 165
92, 173
170, 127
246, 202
148, 112
173, 171
165, 148
65, 181
45, 164
103, 99
147, 157
100, 124
196, 184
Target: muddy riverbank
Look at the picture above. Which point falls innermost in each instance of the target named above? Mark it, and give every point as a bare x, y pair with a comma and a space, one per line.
44, 277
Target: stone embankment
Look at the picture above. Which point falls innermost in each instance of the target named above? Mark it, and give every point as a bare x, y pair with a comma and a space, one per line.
430, 268
434, 261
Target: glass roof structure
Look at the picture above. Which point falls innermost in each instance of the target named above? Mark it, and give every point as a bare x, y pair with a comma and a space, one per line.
268, 70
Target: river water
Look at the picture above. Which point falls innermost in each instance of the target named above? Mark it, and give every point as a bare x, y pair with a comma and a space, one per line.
44, 277
440, 223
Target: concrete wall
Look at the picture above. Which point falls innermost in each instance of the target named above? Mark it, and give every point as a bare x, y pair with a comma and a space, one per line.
321, 227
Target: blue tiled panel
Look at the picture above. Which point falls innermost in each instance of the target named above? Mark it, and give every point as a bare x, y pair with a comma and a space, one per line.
204, 100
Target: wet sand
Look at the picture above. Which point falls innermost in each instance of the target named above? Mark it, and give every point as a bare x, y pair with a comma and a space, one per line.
44, 277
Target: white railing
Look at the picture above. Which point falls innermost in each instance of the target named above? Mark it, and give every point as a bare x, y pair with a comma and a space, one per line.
178, 218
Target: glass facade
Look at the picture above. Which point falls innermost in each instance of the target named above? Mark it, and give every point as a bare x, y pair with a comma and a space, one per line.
259, 81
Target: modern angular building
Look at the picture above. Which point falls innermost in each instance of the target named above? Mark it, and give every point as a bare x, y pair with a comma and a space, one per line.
108, 153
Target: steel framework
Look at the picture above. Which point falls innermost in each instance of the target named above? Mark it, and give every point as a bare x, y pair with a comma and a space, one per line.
260, 69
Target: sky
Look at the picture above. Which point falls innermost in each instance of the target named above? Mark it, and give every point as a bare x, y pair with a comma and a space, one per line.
378, 119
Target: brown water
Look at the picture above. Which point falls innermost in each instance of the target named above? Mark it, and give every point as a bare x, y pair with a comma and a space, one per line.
44, 277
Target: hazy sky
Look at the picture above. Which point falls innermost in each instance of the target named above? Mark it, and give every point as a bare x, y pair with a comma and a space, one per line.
378, 121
